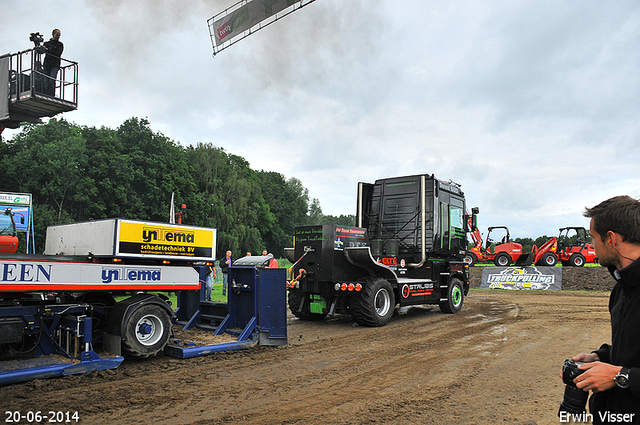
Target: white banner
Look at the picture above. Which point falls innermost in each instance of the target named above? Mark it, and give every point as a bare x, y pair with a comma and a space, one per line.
243, 16
72, 276
546, 278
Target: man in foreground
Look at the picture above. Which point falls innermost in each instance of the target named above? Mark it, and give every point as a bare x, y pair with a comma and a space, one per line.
613, 371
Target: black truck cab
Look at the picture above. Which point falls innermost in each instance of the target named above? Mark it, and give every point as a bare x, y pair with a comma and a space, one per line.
408, 248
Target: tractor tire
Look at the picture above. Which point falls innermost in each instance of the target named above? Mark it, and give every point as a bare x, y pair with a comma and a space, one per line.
470, 258
548, 259
502, 260
455, 297
146, 331
295, 298
577, 260
374, 305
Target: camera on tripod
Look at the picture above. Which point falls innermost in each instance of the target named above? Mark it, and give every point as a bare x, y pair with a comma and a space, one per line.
37, 38
575, 400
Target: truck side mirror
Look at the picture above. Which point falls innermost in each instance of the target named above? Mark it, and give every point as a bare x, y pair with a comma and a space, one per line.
474, 218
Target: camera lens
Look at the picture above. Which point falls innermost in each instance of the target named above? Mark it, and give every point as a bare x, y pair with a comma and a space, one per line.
575, 400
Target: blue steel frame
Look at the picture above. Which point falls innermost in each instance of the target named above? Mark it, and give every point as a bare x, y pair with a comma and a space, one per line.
45, 320
256, 311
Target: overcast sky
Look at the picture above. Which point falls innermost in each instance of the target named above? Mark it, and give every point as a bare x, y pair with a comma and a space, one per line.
532, 106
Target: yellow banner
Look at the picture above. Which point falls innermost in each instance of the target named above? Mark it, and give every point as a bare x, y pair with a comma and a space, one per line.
137, 237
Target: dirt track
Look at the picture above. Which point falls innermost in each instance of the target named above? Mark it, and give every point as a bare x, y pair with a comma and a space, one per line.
497, 361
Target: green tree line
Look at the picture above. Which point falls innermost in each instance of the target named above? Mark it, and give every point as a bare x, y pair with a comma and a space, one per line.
78, 173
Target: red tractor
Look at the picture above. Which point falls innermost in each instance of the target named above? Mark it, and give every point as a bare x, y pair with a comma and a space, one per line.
503, 252
575, 248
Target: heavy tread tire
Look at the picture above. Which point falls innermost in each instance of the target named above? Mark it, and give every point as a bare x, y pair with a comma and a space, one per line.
502, 260
577, 260
146, 331
471, 259
375, 304
455, 297
294, 299
548, 259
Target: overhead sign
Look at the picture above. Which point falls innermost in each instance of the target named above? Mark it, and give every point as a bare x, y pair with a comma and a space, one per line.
546, 278
245, 17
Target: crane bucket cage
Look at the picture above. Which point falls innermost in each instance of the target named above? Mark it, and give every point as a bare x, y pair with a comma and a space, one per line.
248, 16
27, 94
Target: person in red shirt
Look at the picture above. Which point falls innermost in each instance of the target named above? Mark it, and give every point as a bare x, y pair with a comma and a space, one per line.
273, 263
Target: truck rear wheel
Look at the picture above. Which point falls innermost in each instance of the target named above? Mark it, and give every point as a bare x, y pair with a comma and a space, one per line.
146, 332
295, 298
455, 297
375, 304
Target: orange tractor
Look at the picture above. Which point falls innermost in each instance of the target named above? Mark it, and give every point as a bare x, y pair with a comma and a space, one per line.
572, 247
503, 252
575, 248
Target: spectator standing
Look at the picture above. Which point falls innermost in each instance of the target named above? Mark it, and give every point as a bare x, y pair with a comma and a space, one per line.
225, 263
273, 263
211, 275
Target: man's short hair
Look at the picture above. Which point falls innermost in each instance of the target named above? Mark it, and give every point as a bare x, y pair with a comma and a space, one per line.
620, 214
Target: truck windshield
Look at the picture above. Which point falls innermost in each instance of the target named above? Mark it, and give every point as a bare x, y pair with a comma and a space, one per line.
7, 228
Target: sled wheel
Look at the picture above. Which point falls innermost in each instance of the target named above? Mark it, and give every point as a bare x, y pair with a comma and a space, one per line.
375, 304
146, 332
455, 297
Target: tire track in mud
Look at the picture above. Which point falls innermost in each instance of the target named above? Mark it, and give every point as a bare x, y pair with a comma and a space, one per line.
423, 367
382, 363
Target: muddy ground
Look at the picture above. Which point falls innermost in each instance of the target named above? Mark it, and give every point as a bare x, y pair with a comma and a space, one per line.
495, 362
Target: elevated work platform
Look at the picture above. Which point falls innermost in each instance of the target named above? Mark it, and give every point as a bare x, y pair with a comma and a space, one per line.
27, 94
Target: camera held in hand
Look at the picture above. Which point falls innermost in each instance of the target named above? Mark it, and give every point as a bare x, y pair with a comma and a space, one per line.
575, 400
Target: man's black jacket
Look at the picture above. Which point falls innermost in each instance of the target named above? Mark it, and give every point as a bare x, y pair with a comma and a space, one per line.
624, 306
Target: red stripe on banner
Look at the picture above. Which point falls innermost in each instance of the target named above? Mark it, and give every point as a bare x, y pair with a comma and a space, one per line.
83, 287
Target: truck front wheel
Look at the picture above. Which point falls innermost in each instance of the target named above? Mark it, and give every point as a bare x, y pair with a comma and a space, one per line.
375, 304
146, 332
455, 297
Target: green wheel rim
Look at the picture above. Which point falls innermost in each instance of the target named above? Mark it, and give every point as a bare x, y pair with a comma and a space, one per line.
456, 296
